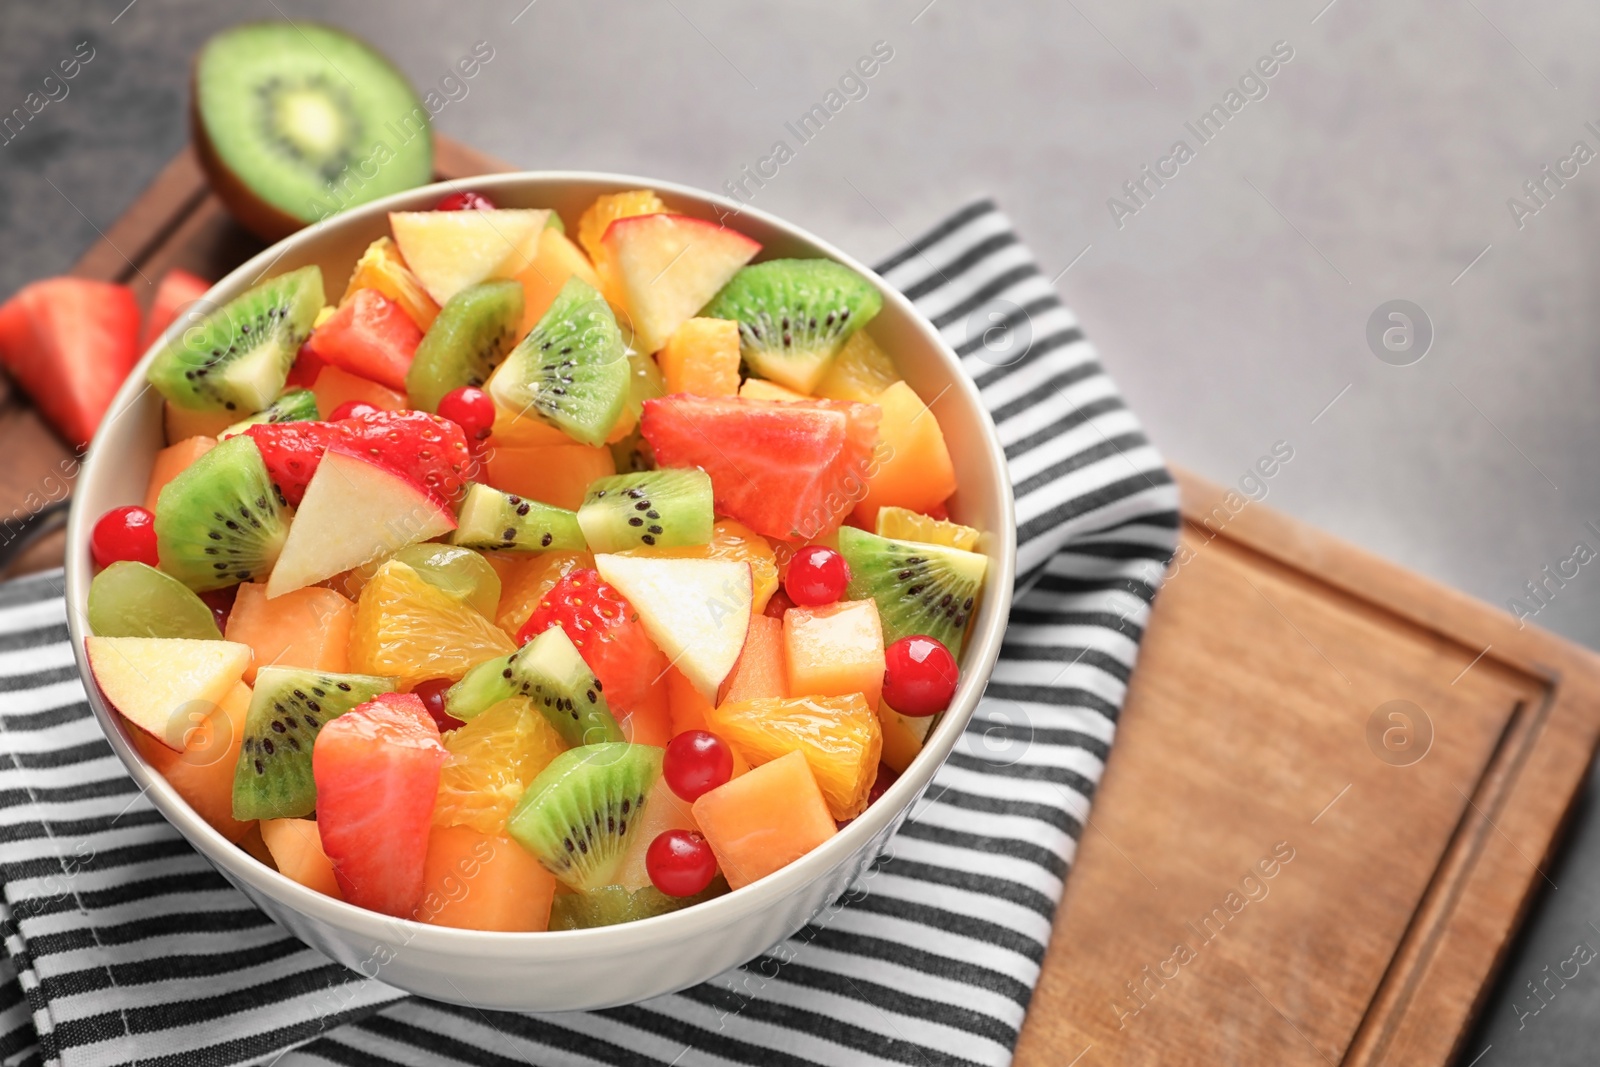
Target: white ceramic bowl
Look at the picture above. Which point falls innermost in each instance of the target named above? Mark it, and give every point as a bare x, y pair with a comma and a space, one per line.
580, 969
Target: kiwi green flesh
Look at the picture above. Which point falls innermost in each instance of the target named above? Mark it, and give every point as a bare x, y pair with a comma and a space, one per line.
308, 119
493, 521
578, 816
571, 370
919, 588
660, 509
288, 706
613, 904
292, 405
220, 521
471, 335
550, 671
794, 315
130, 599
237, 358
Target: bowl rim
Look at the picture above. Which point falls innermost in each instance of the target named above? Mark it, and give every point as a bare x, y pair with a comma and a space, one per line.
238, 865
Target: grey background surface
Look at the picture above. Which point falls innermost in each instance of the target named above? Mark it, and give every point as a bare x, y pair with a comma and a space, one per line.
1232, 306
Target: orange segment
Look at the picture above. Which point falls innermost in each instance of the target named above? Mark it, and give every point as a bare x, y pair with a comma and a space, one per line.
525, 582
557, 260
762, 821
334, 386
835, 650
306, 628
702, 357
903, 524
761, 671
914, 469
860, 371
551, 474
492, 759
839, 737
478, 881
296, 848
407, 628
171, 462
202, 773
733, 541
383, 268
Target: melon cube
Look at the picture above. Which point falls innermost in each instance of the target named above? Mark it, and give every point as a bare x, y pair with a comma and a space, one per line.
557, 260
835, 650
172, 461
296, 849
334, 386
477, 881
761, 671
688, 705
914, 469
765, 819
307, 627
551, 474
202, 773
702, 357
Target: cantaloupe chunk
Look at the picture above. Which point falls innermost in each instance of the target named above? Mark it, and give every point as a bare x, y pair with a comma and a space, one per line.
171, 462
903, 737
702, 357
253, 843
182, 424
202, 774
308, 628
551, 474
296, 848
762, 668
764, 820
663, 811
518, 429
649, 723
913, 465
478, 881
761, 389
334, 386
557, 260
688, 705
835, 650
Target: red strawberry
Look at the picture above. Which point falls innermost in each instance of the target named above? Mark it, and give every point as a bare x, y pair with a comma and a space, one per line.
608, 634
376, 769
292, 451
424, 448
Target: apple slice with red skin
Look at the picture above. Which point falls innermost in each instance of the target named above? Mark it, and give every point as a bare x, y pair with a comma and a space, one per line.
668, 267
166, 686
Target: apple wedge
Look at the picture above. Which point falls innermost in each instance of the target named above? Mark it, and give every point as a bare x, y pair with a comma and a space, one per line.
450, 250
166, 686
697, 611
667, 267
354, 511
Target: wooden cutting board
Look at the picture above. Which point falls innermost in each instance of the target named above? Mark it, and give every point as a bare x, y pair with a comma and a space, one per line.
1283, 866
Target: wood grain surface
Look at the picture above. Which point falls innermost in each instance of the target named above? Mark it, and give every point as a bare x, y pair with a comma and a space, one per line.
1283, 866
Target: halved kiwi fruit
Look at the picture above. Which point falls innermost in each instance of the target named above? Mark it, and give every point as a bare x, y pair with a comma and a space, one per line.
550, 671
661, 509
472, 334
220, 521
237, 358
572, 370
288, 706
919, 588
612, 904
294, 121
794, 315
581, 811
496, 521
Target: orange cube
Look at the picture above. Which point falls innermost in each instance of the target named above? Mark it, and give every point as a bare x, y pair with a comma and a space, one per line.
761, 670
551, 474
835, 650
334, 386
308, 628
202, 773
764, 820
914, 468
557, 260
702, 357
296, 848
478, 881
172, 461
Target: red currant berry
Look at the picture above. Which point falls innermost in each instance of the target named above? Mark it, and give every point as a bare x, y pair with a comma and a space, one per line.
465, 200
919, 676
352, 409
817, 575
431, 693
680, 863
469, 408
124, 533
696, 762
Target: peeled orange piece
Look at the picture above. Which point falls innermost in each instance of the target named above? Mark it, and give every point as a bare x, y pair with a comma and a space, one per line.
734, 541
903, 524
839, 737
409, 629
492, 760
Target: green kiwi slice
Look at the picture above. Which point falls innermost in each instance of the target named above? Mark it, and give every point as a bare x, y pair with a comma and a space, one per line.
237, 357
292, 405
272, 779
571, 370
551, 671
581, 811
612, 904
474, 331
493, 521
661, 509
220, 522
296, 121
130, 599
919, 588
794, 315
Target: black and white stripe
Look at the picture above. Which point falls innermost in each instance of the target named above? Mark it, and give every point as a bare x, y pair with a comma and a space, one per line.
122, 944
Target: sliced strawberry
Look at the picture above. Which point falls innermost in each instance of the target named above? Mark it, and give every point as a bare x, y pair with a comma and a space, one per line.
376, 769
371, 336
175, 292
607, 633
292, 451
424, 448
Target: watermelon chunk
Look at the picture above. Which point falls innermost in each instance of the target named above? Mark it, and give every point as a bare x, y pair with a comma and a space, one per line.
176, 291
371, 336
69, 342
377, 772
787, 470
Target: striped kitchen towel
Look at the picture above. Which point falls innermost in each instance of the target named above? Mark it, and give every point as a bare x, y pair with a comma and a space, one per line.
124, 946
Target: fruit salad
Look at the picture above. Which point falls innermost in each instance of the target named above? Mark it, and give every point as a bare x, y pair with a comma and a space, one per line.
548, 578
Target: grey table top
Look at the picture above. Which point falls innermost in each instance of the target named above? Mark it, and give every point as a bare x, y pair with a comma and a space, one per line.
1381, 160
